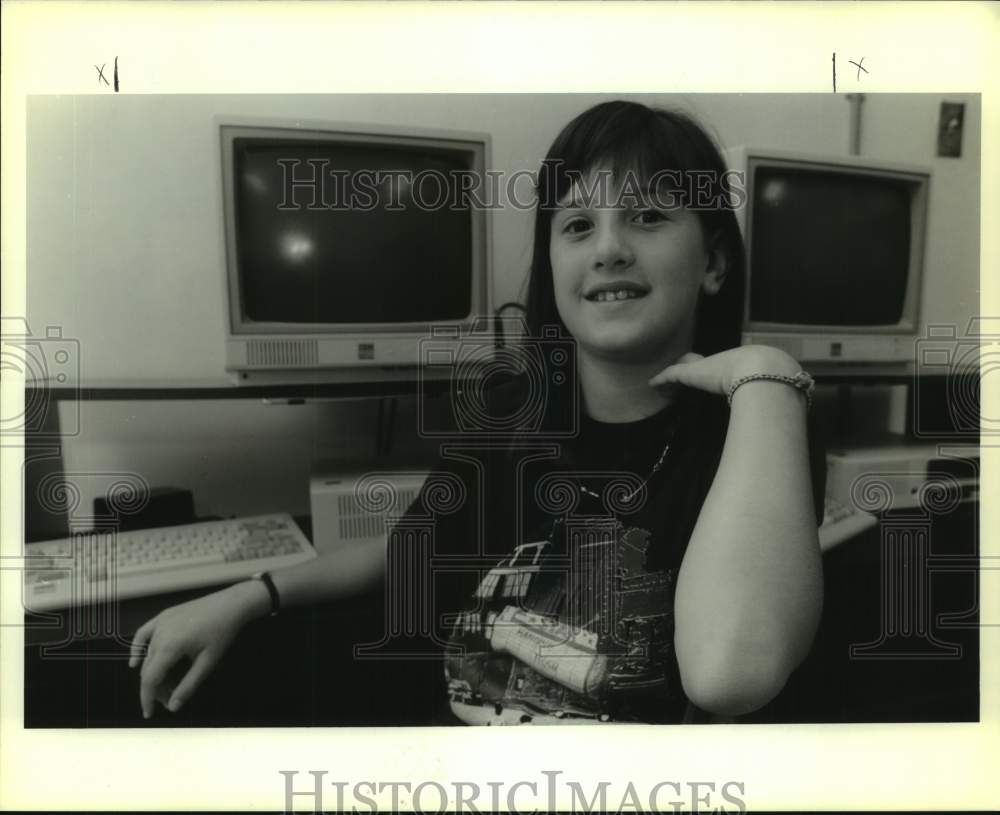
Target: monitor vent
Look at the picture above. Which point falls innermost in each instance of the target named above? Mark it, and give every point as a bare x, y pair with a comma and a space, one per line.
358, 523
282, 353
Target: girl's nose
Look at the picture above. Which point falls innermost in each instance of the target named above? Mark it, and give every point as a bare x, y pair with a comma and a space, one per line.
611, 249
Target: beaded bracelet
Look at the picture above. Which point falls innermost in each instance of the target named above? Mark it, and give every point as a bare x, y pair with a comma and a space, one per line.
802, 381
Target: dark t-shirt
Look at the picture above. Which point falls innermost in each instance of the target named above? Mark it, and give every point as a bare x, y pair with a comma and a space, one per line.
553, 563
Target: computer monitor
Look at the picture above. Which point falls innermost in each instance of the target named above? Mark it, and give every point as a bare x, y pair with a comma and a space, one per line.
835, 249
346, 245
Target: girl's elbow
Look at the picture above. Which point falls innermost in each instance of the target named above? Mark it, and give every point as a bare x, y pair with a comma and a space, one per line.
735, 685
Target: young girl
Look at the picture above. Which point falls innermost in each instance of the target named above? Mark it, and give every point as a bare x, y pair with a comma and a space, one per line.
655, 539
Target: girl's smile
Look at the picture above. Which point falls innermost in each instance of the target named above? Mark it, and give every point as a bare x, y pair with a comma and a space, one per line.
616, 292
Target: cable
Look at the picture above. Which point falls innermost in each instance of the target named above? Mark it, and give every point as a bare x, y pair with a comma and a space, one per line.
501, 341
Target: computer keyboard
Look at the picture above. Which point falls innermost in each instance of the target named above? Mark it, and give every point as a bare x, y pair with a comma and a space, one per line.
102, 566
842, 521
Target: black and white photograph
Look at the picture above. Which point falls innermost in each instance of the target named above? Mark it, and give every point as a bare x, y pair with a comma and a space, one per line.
386, 413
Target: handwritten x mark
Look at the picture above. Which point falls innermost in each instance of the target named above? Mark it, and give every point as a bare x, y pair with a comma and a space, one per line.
100, 74
859, 66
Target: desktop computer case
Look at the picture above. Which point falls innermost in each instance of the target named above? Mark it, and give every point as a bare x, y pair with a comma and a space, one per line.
357, 502
901, 474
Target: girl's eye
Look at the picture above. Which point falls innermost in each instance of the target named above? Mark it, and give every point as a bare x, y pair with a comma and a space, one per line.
575, 226
649, 216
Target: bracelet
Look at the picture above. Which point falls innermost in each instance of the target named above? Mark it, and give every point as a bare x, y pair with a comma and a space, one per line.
265, 578
802, 381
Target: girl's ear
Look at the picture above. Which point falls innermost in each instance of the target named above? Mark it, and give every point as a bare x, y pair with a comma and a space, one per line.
715, 271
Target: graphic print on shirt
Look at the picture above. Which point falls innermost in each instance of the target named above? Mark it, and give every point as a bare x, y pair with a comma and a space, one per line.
588, 636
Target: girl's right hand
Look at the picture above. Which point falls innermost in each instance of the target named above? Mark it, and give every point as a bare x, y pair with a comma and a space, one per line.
199, 631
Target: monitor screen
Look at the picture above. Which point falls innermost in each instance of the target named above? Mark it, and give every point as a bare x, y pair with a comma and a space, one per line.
829, 248
357, 247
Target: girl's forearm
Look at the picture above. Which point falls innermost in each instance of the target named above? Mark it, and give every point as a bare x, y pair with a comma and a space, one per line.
332, 575
749, 593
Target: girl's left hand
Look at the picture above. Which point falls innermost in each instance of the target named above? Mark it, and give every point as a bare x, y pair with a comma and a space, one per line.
716, 373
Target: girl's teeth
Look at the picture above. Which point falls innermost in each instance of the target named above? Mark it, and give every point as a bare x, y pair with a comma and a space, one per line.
621, 294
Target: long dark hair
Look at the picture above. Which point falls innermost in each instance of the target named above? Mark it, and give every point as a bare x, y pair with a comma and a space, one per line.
624, 136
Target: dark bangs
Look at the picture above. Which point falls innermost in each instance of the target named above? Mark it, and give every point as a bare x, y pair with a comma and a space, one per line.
625, 139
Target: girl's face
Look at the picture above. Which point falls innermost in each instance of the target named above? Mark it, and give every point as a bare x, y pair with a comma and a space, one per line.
627, 276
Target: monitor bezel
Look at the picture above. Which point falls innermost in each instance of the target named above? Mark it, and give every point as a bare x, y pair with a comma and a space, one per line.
474, 145
863, 350
918, 180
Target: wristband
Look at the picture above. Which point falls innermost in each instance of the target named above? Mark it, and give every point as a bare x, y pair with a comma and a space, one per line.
802, 381
265, 578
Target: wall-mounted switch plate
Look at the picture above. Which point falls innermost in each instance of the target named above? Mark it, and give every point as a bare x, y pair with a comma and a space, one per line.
950, 129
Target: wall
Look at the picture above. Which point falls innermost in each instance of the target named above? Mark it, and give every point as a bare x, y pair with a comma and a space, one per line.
125, 254
903, 127
238, 456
